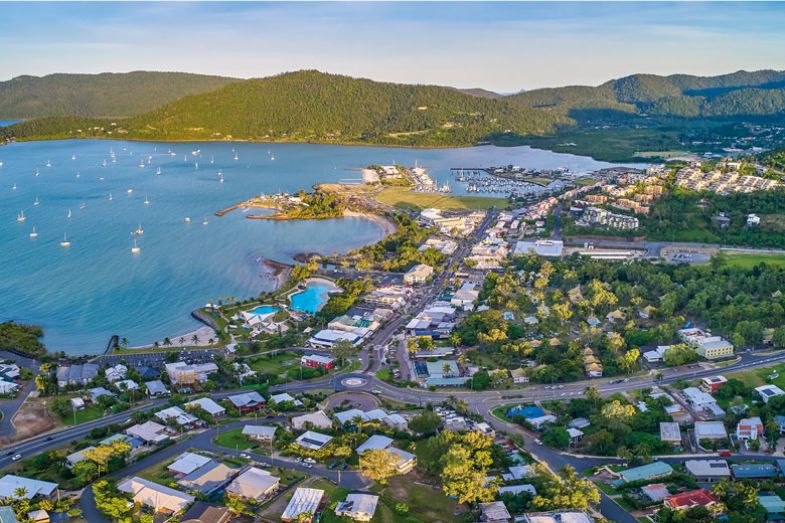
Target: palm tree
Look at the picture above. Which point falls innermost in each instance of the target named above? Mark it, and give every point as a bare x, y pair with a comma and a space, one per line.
210, 341
156, 344
124, 342
181, 340
167, 342
195, 339
592, 394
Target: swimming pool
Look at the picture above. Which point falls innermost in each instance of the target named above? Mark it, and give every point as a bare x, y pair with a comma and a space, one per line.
311, 299
264, 310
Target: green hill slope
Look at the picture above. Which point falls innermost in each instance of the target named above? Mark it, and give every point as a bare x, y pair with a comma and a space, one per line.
98, 95
313, 106
758, 93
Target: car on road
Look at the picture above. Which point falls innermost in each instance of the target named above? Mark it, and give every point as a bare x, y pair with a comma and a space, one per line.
17, 457
725, 453
245, 456
538, 441
615, 382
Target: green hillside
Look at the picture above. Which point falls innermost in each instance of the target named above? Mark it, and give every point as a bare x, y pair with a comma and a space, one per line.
313, 106
758, 93
98, 95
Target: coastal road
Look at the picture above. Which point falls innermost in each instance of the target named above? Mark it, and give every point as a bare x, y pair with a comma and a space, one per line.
9, 407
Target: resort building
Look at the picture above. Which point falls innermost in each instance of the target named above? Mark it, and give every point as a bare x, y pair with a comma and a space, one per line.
418, 274
181, 373
359, 507
304, 501
254, 483
326, 338
76, 374
706, 345
545, 248
155, 496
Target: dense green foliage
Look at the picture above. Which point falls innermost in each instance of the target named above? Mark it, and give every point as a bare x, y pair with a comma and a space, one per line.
98, 95
736, 94
688, 216
399, 251
22, 338
313, 106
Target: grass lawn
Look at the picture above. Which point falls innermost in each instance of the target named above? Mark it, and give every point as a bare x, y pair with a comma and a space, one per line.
747, 261
89, 413
278, 364
425, 503
403, 198
758, 377
234, 439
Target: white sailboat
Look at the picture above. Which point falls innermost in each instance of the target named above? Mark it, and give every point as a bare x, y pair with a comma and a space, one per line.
129, 191
78, 175
36, 202
272, 157
110, 197
135, 249
212, 159
187, 219
141, 163
65, 242
146, 201
103, 164
158, 172
236, 157
13, 187
21, 217
139, 231
82, 205
37, 172
69, 214
73, 157
48, 163
34, 234
204, 222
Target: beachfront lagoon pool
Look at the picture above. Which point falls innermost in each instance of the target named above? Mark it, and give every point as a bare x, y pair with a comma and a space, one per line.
264, 310
313, 298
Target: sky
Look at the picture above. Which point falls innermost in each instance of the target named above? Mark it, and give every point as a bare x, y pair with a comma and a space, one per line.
505, 47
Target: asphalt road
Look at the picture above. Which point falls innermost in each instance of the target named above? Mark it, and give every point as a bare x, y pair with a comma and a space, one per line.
204, 441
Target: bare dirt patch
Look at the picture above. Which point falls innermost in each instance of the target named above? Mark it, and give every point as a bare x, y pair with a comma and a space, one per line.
32, 419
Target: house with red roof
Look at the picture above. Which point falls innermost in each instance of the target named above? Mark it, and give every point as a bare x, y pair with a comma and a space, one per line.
693, 498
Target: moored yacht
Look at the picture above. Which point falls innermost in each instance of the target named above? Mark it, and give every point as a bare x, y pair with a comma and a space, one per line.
65, 242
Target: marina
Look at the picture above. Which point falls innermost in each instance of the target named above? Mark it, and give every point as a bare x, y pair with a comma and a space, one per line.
104, 288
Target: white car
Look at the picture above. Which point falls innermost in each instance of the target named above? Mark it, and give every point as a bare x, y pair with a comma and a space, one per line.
17, 457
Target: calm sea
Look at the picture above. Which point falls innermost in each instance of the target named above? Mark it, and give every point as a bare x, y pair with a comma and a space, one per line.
96, 288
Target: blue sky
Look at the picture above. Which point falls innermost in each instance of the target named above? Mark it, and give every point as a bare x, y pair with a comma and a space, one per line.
500, 46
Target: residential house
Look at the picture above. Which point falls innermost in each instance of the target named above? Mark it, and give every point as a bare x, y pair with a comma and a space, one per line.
311, 440
75, 457
183, 419
712, 384
670, 433
208, 405
285, 397
303, 501
156, 388
559, 516
495, 512
202, 512
749, 429
708, 470
208, 478
316, 360
753, 471
98, 392
405, 461
254, 483
710, 430
116, 373
769, 391
774, 505
148, 432
694, 498
654, 470
76, 374
264, 433
317, 419
155, 496
655, 491
186, 463
11, 486
359, 507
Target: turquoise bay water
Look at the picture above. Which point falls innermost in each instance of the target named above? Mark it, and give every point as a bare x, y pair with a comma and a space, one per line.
96, 288
311, 299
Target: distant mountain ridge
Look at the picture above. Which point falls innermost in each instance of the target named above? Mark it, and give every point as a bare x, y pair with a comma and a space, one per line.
743, 93
99, 95
320, 107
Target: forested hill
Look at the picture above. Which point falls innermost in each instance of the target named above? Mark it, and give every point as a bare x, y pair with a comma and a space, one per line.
758, 93
314, 106
99, 95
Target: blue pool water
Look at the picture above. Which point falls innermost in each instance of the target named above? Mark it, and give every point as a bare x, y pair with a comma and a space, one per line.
6, 123
311, 299
97, 288
263, 310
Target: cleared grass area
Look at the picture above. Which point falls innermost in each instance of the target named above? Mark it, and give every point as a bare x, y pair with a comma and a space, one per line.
278, 364
234, 439
759, 376
747, 261
403, 198
89, 413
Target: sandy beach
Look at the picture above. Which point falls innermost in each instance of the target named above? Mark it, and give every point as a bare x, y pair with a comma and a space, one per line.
387, 225
205, 334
